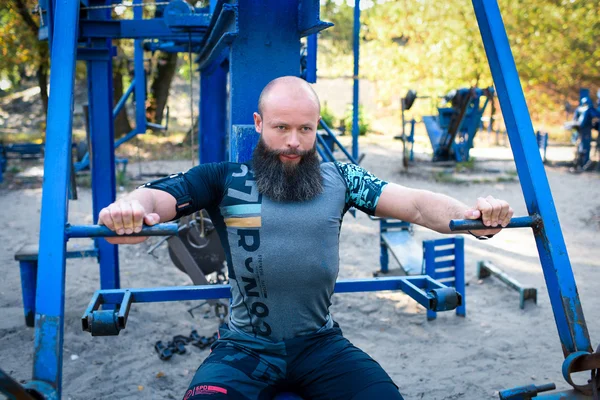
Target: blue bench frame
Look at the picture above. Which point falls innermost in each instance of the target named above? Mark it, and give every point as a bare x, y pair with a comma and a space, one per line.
27, 256
441, 259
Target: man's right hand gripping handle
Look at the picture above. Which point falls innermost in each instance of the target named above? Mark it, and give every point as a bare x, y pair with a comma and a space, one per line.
126, 216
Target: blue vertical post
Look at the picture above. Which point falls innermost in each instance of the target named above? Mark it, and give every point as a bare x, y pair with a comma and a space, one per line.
29, 270
384, 257
102, 160
459, 274
554, 258
140, 76
355, 105
311, 58
270, 29
213, 113
50, 295
429, 260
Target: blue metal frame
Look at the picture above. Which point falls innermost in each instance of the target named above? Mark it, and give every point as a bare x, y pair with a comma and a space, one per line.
102, 160
355, 78
432, 295
311, 58
213, 112
555, 261
50, 295
234, 41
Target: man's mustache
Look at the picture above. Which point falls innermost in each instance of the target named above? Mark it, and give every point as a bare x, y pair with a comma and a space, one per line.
290, 152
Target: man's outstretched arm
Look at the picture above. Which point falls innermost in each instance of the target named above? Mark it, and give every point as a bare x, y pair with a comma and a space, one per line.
435, 210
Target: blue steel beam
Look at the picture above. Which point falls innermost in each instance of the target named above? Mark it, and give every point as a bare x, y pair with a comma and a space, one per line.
155, 28
50, 295
270, 29
554, 258
140, 74
417, 287
102, 160
123, 99
311, 58
355, 103
213, 113
13, 389
336, 141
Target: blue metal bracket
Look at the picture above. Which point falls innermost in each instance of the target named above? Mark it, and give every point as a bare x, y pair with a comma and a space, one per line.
308, 18
222, 31
92, 54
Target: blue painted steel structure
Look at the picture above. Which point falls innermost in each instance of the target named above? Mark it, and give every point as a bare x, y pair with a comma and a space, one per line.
431, 294
552, 250
355, 77
50, 295
453, 130
223, 37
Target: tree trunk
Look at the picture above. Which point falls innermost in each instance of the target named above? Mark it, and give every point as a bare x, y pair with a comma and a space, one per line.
122, 125
43, 54
42, 74
161, 83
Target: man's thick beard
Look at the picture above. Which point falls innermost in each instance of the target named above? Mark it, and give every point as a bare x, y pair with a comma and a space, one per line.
287, 182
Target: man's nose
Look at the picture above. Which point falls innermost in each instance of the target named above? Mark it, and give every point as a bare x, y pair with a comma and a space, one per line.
293, 140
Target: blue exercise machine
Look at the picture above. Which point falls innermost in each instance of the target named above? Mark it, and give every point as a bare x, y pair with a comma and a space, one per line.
453, 130
231, 78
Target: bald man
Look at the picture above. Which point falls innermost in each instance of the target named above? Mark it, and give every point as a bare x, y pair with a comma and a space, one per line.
279, 219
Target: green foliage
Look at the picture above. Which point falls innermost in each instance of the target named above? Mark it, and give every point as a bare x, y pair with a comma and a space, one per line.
18, 47
327, 116
363, 121
435, 46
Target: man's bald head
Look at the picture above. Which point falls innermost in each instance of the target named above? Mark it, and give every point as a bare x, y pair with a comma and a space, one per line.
285, 87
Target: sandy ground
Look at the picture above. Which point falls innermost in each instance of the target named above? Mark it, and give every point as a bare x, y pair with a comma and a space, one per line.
497, 346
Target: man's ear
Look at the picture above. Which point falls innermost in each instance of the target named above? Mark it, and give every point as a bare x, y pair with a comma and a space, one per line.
258, 122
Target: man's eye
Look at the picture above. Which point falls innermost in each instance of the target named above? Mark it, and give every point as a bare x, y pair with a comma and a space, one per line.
281, 127
307, 129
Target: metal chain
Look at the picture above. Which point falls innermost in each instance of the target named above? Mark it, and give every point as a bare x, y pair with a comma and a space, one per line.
160, 3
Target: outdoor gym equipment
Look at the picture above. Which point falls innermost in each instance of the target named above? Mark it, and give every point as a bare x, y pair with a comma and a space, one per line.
452, 131
487, 268
233, 39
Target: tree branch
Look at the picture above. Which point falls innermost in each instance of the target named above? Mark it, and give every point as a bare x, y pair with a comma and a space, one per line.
24, 13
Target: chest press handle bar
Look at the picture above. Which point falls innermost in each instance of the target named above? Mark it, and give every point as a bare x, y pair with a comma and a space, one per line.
90, 231
531, 221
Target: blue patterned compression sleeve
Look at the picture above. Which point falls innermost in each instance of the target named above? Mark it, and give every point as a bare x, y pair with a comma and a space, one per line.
363, 188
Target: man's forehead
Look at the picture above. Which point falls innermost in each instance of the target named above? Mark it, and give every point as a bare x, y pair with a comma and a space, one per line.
287, 92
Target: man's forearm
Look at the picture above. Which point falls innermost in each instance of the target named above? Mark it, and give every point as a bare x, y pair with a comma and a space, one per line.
436, 210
